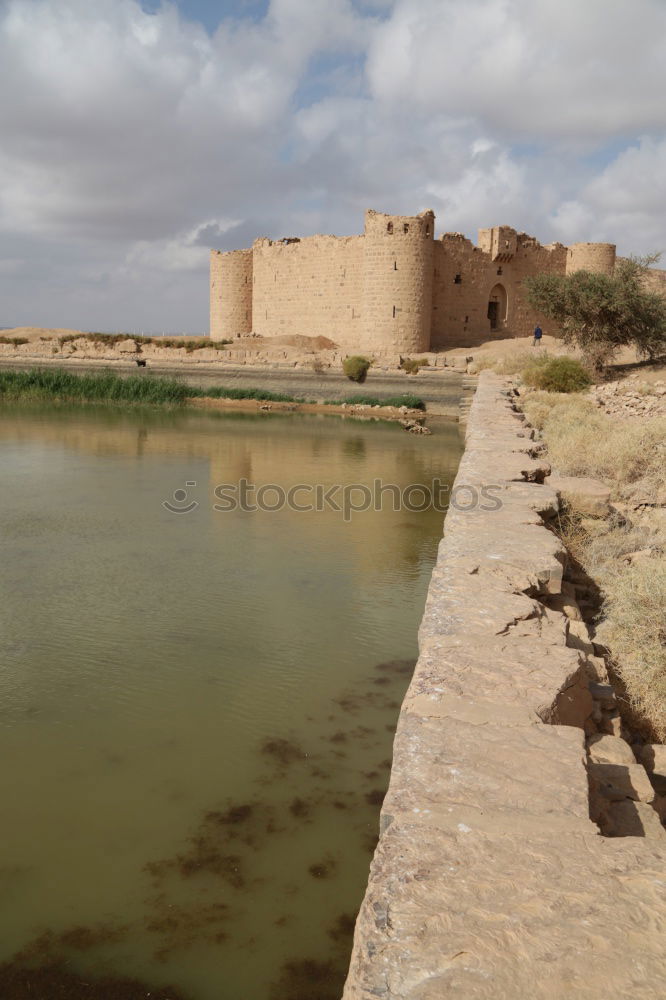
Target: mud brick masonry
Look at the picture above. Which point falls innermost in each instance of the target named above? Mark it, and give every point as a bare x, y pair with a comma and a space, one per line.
395, 289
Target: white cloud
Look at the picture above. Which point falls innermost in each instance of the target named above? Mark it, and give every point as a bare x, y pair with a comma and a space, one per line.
627, 198
185, 252
130, 141
552, 68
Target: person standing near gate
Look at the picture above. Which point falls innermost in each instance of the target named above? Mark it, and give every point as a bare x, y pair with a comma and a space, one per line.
538, 334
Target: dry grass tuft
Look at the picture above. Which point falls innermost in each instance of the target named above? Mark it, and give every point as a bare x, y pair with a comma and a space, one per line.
582, 441
629, 454
634, 630
509, 363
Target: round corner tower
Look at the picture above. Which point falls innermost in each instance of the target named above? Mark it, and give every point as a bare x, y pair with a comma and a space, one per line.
230, 293
596, 257
397, 282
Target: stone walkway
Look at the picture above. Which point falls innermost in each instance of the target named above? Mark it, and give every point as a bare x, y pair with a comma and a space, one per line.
490, 879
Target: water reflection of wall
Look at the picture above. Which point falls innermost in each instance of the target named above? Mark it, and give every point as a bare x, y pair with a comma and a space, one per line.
284, 450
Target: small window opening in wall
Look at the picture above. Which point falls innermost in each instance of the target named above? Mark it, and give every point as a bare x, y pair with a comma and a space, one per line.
246, 279
405, 227
467, 319
395, 265
427, 230
393, 312
457, 280
389, 228
499, 270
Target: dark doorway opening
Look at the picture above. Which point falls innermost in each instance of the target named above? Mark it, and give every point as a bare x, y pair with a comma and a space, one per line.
497, 307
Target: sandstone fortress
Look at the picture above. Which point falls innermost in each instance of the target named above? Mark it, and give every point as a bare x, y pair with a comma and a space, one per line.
393, 290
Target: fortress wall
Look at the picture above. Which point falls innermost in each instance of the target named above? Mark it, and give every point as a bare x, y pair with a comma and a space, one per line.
460, 308
230, 293
490, 880
311, 287
655, 281
397, 283
531, 258
598, 257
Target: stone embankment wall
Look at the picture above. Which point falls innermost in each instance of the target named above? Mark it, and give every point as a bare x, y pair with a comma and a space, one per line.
521, 851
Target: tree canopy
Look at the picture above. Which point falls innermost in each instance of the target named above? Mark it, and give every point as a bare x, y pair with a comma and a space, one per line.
600, 313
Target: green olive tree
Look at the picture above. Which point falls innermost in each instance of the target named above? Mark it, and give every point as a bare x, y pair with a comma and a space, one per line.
600, 313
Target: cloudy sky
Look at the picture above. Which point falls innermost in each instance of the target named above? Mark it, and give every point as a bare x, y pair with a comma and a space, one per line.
136, 135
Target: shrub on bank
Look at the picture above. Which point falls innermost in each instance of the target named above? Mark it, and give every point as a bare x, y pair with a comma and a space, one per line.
16, 341
563, 374
356, 367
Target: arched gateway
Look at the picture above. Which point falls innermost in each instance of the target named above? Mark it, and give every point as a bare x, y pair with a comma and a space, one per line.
497, 307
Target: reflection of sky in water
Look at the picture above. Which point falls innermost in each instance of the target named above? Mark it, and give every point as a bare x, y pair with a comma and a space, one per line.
197, 729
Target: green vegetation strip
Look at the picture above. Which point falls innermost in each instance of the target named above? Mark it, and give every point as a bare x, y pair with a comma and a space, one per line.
100, 387
413, 402
222, 392
108, 387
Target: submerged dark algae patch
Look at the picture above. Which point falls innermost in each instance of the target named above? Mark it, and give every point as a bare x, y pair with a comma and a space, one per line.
43, 970
300, 808
308, 979
342, 930
338, 737
219, 849
233, 816
369, 841
324, 868
183, 926
56, 981
284, 752
401, 667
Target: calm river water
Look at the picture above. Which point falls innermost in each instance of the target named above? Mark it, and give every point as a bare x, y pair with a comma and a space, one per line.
197, 708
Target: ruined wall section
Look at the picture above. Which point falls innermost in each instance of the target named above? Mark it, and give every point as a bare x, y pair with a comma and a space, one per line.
310, 287
467, 278
397, 283
230, 293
